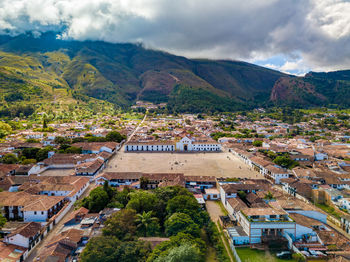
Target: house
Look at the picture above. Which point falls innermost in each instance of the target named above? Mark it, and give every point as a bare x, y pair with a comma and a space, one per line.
345, 203
211, 194
97, 147
12, 253
61, 161
62, 248
302, 187
90, 169
70, 187
26, 236
276, 173
36, 208
265, 224
76, 216
345, 223
200, 182
143, 180
228, 191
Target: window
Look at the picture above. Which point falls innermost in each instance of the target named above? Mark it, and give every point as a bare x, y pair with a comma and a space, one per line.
42, 212
34, 212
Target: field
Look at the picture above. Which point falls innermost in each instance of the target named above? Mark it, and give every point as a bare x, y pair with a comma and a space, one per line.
222, 164
254, 255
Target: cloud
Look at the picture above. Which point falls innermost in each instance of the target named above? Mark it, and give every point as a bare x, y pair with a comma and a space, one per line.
315, 33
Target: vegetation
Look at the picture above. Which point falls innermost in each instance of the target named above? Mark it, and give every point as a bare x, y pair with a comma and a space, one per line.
169, 211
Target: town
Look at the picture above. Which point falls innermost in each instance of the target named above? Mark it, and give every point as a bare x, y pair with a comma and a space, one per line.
268, 183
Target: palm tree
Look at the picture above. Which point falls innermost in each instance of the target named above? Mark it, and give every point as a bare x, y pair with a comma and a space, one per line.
145, 220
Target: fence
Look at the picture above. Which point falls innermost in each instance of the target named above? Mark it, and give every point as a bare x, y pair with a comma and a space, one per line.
237, 258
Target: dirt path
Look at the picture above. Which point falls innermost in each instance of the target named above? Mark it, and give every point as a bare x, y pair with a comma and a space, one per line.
215, 212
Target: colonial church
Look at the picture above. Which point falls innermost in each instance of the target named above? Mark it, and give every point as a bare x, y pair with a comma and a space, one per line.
185, 144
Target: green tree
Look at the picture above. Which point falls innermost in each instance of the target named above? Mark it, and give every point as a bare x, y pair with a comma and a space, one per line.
257, 143
44, 123
73, 150
180, 222
30, 152
43, 153
142, 201
285, 161
115, 136
121, 225
2, 221
110, 249
184, 252
9, 159
60, 140
147, 224
28, 161
5, 129
96, 201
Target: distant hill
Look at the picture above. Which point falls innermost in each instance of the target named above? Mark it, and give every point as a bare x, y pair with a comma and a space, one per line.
315, 89
49, 70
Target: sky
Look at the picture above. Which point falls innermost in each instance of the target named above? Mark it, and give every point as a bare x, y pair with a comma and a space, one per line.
293, 36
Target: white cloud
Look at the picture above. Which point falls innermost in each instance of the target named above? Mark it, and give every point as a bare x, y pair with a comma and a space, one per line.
317, 30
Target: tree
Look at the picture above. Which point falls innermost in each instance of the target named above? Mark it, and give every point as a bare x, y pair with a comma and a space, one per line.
43, 153
242, 195
108, 189
285, 161
9, 159
96, 201
30, 152
257, 143
269, 196
186, 204
142, 201
184, 252
110, 249
115, 136
73, 150
2, 220
60, 140
44, 123
148, 224
5, 129
121, 225
180, 222
28, 161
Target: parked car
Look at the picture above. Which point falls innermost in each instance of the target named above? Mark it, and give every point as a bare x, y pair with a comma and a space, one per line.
284, 254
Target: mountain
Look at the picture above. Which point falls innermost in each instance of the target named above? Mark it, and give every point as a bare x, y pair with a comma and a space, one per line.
47, 70
315, 89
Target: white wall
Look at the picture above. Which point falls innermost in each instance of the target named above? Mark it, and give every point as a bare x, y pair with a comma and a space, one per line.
18, 240
30, 216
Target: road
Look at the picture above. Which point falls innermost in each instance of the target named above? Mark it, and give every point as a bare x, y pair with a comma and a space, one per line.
215, 212
137, 128
48, 238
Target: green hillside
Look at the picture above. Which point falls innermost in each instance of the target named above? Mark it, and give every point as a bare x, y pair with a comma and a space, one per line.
52, 74
315, 89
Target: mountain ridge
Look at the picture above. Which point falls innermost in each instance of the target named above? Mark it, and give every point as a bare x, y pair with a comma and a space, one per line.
124, 73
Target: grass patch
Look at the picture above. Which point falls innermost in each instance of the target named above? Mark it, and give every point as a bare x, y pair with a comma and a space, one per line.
223, 209
330, 210
253, 255
221, 233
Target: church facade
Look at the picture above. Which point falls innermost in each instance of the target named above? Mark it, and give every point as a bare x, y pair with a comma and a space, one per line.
186, 144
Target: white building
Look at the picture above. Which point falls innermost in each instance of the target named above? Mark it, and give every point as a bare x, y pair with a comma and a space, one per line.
26, 236
264, 224
186, 144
